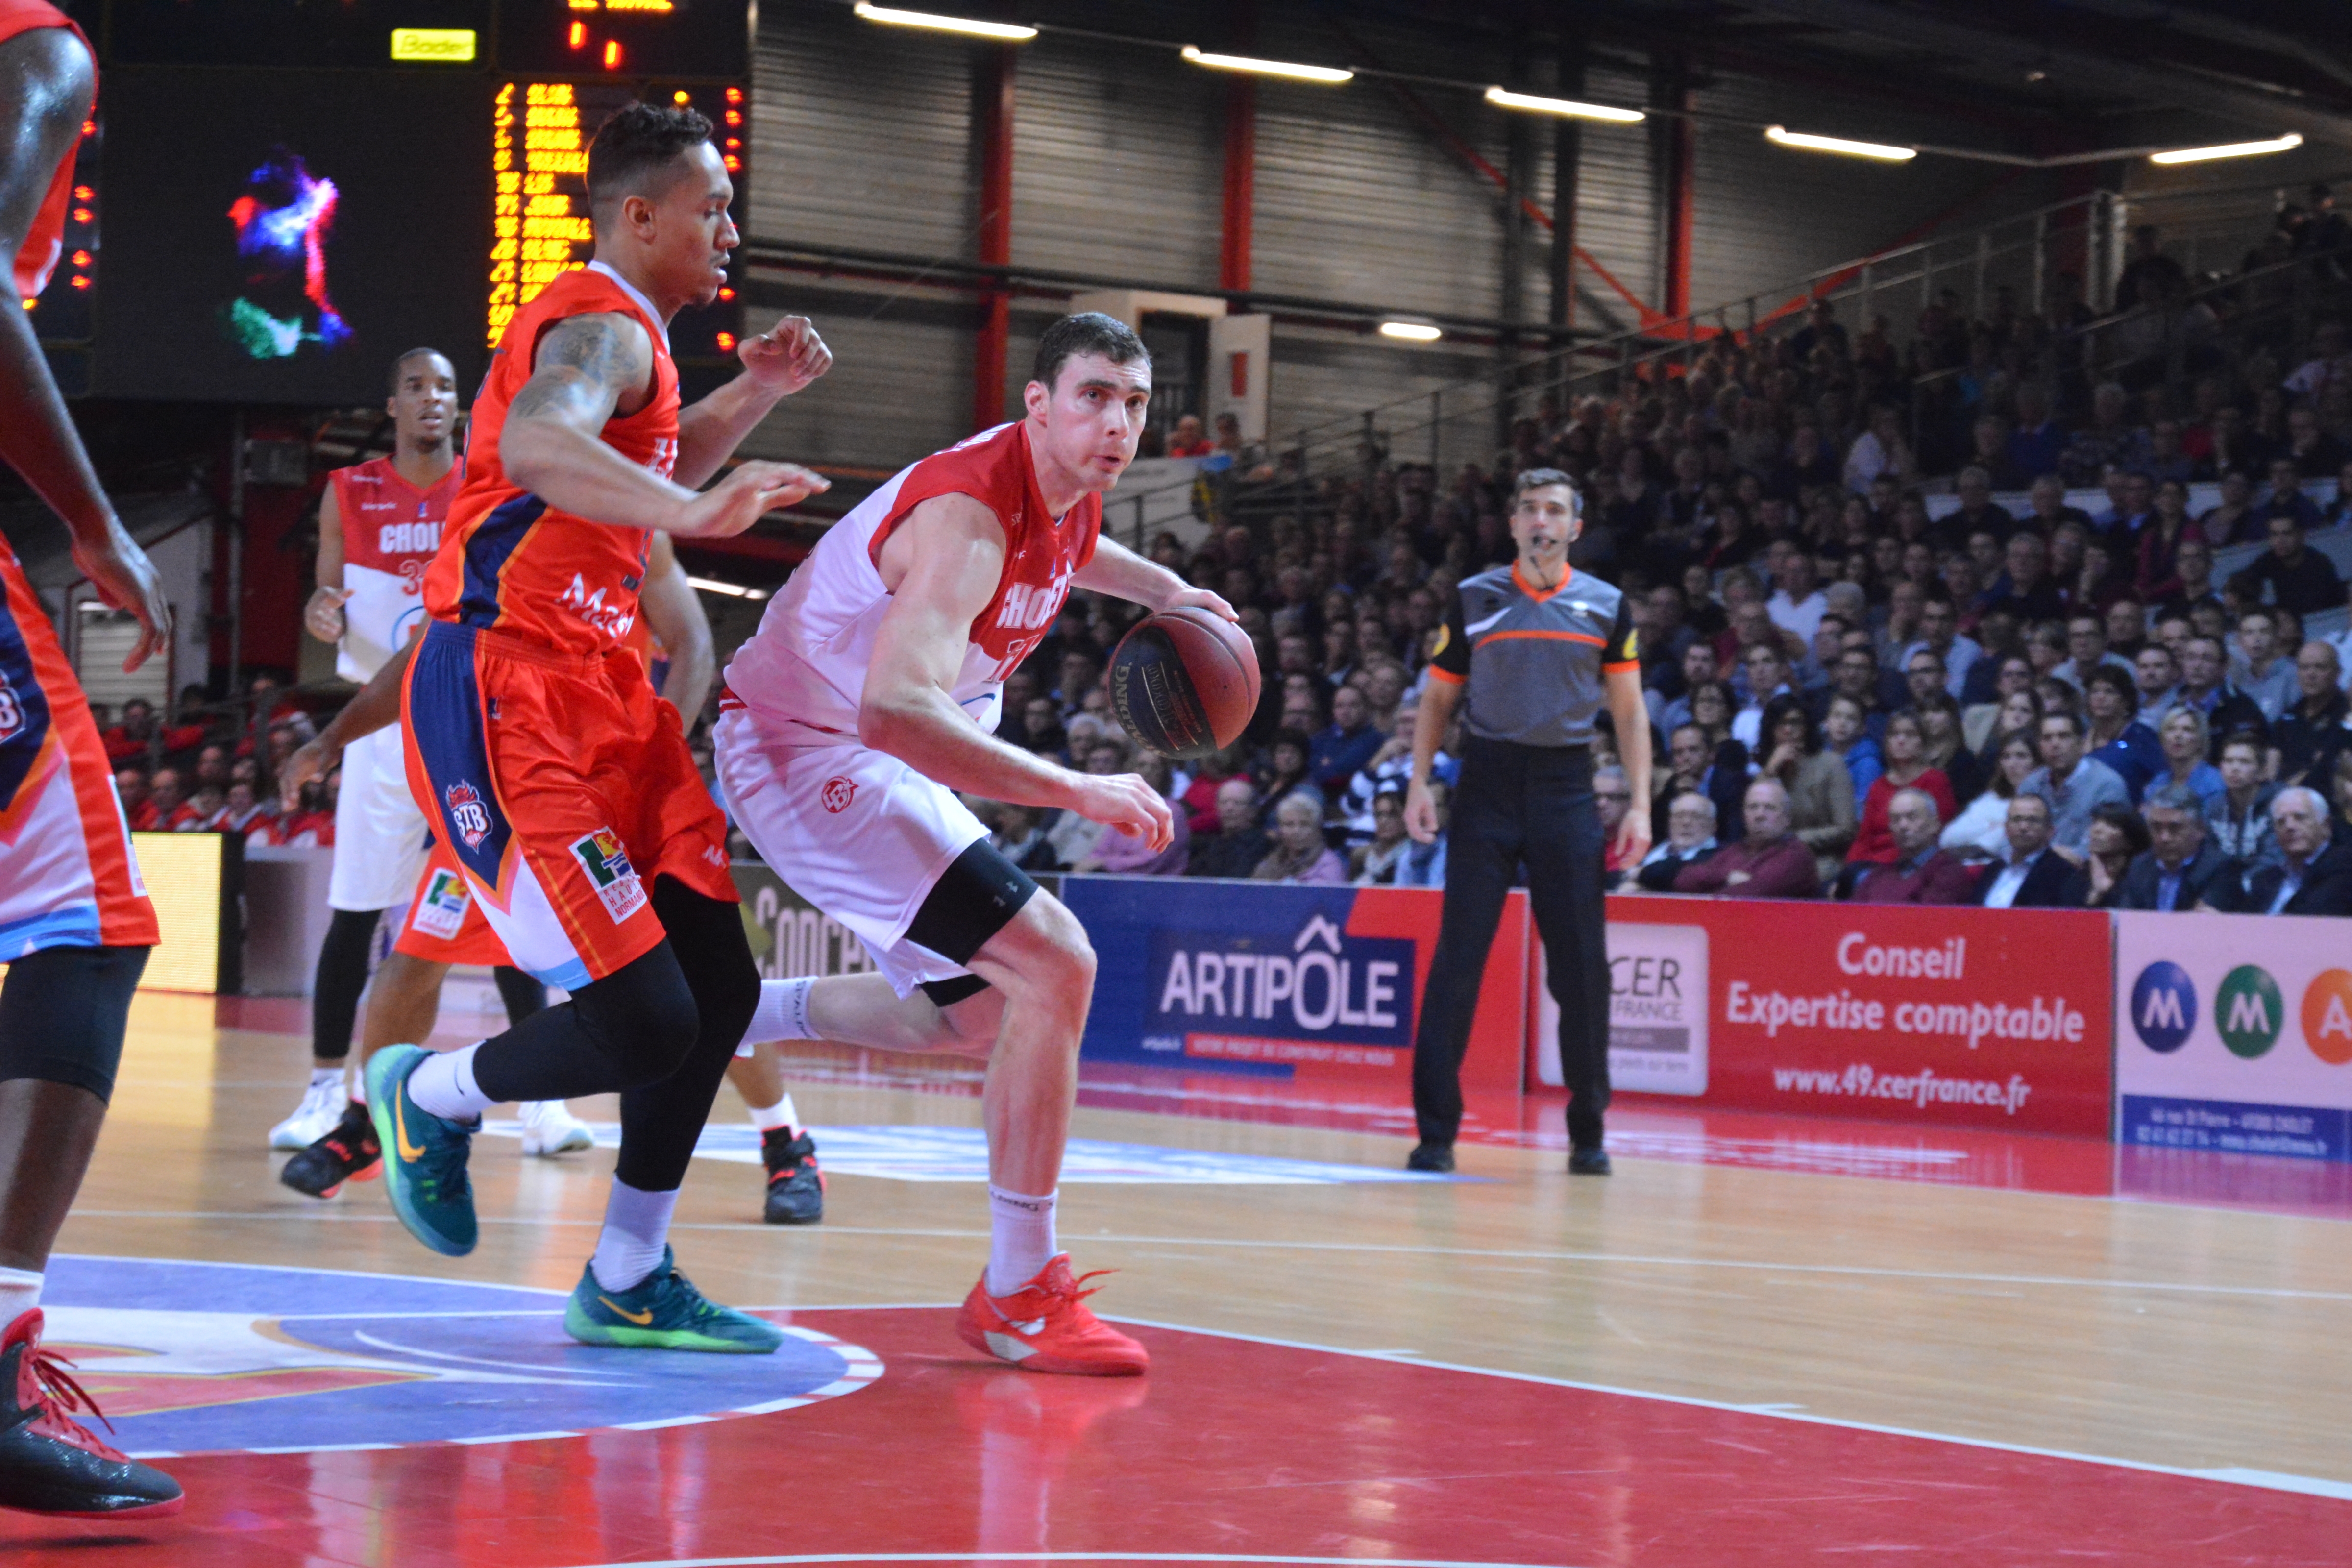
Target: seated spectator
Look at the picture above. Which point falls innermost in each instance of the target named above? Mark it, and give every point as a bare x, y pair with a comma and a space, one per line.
2290, 574
2259, 669
1299, 854
1907, 768
1982, 829
2204, 687
309, 826
1235, 845
1845, 735
1375, 864
1199, 800
1922, 872
1821, 808
203, 812
2185, 743
1766, 666
2238, 820
138, 810
2072, 781
2156, 577
1187, 439
1335, 755
168, 798
1020, 836
1940, 726
2028, 874
1425, 863
1286, 770
1612, 798
2019, 710
1770, 862
2311, 729
1688, 839
1797, 604
2313, 875
2116, 737
1119, 852
2028, 593
244, 811
2182, 868
2117, 836
2155, 675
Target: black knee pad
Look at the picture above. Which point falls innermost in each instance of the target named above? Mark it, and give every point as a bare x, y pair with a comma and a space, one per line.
642, 1017
707, 934
63, 1013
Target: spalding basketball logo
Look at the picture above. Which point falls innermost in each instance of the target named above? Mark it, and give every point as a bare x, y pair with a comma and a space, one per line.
468, 814
838, 793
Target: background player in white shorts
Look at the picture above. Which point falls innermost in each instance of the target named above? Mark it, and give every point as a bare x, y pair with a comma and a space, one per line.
867, 700
379, 524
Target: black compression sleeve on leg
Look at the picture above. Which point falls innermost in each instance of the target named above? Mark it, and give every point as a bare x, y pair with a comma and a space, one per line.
522, 995
63, 1012
632, 1028
660, 1122
342, 976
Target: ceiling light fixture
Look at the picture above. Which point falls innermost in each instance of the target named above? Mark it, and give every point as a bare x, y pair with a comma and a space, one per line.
2286, 144
1330, 75
1411, 332
1506, 99
1005, 32
1785, 137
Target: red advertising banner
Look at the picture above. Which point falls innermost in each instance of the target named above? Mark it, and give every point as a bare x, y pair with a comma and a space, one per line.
1941, 1016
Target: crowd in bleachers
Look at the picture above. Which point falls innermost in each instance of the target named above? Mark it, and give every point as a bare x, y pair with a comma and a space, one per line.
213, 768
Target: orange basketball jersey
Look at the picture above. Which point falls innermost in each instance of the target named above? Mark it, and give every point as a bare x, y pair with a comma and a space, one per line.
510, 562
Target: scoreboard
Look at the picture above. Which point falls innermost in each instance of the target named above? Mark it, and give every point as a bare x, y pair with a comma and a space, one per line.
276, 197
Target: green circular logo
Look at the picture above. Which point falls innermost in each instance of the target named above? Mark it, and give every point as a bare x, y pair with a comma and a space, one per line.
2248, 1011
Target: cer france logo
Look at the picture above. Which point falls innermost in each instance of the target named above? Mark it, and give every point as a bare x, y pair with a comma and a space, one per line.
2164, 1006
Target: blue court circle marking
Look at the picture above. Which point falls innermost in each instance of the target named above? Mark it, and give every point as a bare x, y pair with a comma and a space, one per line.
192, 1357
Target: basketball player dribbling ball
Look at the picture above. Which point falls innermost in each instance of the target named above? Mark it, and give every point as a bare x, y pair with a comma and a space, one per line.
866, 701
553, 775
379, 523
75, 922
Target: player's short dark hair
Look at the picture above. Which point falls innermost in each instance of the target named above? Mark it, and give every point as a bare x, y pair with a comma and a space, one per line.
1537, 478
392, 376
1088, 333
635, 140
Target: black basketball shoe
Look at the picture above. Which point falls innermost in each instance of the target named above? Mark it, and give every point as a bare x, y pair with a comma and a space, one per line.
49, 1462
796, 1186
348, 1153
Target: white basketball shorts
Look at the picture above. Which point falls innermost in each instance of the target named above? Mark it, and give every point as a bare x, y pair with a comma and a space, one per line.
380, 836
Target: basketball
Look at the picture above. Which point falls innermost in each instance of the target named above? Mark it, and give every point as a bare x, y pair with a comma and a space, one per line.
1184, 682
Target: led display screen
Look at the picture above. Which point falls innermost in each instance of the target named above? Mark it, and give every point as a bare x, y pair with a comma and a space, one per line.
303, 33
278, 237
676, 38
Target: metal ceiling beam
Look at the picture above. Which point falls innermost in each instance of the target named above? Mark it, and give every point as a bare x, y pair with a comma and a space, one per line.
2270, 112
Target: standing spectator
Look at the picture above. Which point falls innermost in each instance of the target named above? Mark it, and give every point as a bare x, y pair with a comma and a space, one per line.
1770, 862
2117, 836
2074, 785
1299, 854
2311, 731
1237, 843
2313, 875
2238, 820
2031, 875
2259, 670
1907, 768
1922, 871
2182, 869
1689, 840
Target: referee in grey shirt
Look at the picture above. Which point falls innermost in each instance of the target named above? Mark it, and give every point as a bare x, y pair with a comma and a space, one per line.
1535, 648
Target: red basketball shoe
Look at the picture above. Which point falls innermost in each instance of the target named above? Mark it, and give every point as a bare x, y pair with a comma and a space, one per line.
49, 1462
1045, 1326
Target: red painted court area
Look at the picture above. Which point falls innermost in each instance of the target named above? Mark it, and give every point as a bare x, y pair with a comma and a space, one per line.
1230, 1450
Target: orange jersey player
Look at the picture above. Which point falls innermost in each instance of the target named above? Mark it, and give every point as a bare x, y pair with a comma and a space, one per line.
550, 772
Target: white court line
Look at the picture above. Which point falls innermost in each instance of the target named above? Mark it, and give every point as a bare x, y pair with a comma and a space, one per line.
1631, 1259
2272, 1480
1065, 1557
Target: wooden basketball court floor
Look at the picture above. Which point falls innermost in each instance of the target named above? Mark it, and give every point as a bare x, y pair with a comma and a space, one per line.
1759, 1342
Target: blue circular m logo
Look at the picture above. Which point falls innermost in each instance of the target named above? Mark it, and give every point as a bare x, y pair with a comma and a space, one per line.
2163, 1006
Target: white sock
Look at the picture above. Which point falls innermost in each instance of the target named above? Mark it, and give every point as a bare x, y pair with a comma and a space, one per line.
780, 1114
327, 1077
636, 1226
1019, 1239
20, 1292
782, 1012
359, 1085
444, 1086
534, 1110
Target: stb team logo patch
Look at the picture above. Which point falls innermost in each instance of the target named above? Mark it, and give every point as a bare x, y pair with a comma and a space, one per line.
441, 907
838, 793
470, 815
601, 856
12, 713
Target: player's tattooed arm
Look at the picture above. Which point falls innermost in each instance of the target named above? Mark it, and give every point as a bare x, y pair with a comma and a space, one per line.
587, 369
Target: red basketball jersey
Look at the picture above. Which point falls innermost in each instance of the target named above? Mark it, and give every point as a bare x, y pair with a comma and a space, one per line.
510, 560
391, 532
46, 240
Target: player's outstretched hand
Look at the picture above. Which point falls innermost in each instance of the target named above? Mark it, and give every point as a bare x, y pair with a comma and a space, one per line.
786, 357
323, 615
127, 580
309, 761
1126, 801
1201, 599
739, 499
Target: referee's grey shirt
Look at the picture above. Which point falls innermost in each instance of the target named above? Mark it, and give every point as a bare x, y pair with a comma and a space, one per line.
1534, 661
